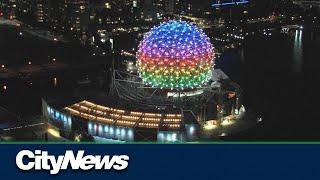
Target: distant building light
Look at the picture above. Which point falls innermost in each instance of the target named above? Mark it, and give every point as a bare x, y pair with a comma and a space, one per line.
108, 6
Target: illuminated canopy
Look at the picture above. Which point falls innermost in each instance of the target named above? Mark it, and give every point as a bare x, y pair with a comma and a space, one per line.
175, 55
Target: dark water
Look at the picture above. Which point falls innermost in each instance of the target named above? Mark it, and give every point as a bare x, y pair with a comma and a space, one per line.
279, 75
23, 95
19, 49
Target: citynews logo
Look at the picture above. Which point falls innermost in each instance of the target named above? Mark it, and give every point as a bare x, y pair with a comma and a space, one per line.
40, 160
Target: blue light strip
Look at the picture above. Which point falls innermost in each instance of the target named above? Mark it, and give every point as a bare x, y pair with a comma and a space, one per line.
230, 3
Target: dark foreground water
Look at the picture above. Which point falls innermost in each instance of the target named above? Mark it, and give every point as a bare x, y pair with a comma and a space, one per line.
279, 75
23, 94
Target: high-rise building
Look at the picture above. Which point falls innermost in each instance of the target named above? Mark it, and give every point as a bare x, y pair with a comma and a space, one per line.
169, 6
157, 9
70, 16
8, 8
25, 11
113, 13
193, 8
148, 11
230, 11
35, 12
136, 9
42, 11
180, 6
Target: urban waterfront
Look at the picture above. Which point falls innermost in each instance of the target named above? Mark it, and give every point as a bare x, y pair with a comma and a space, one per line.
275, 75
159, 71
280, 78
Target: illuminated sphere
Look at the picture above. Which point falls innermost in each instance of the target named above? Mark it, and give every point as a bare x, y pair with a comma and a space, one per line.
175, 55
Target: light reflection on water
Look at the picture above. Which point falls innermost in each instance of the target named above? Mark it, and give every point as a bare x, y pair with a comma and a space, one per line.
55, 82
297, 52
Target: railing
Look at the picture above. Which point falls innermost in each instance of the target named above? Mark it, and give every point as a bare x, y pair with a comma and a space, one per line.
108, 115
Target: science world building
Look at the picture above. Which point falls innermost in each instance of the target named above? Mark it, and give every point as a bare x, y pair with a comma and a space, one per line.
175, 55
174, 97
115, 123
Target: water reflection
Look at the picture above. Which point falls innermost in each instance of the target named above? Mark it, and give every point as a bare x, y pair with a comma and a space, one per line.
55, 82
297, 51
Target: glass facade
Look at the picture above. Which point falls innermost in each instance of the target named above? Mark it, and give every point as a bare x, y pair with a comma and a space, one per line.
169, 137
110, 131
59, 119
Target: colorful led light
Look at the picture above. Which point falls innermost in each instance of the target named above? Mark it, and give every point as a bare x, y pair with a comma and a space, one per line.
175, 55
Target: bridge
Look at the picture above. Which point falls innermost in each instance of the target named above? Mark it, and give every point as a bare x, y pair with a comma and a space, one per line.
219, 3
201, 22
287, 28
307, 3
8, 22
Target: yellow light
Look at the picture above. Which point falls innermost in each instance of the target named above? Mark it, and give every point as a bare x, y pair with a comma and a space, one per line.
226, 122
54, 133
209, 125
55, 81
108, 6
